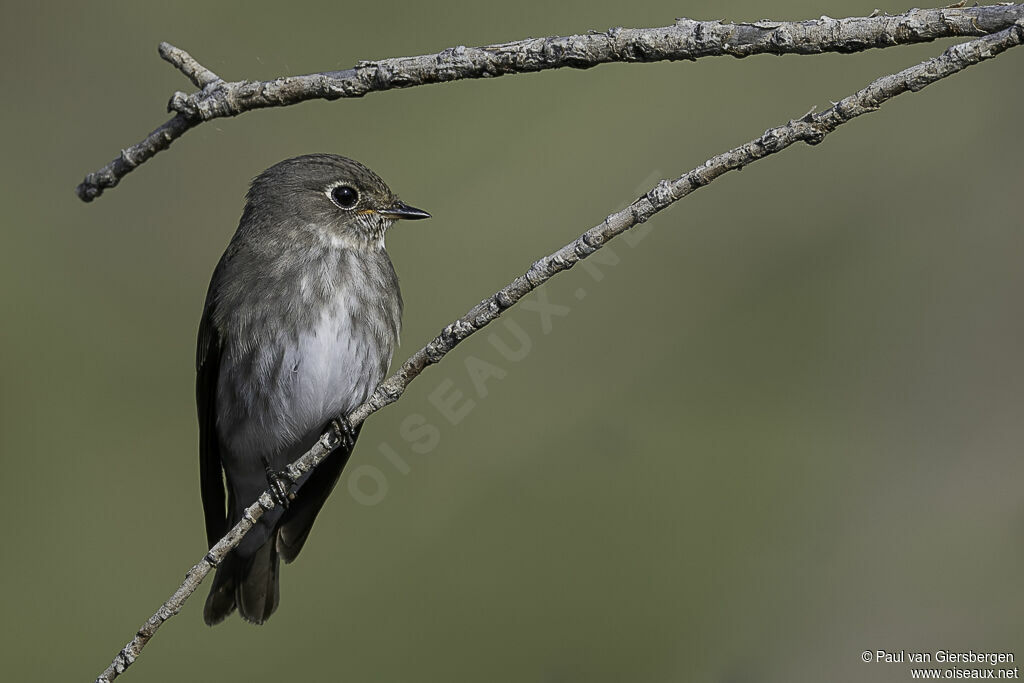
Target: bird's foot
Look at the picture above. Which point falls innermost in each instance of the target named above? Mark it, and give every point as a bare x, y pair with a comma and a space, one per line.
345, 431
279, 483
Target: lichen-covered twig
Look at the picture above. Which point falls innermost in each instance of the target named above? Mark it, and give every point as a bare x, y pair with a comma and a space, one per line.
810, 128
685, 39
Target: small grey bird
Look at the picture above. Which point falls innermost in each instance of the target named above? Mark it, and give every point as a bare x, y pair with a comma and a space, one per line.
301, 319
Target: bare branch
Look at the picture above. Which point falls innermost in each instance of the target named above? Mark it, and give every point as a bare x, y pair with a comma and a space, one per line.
685, 39
810, 128
187, 64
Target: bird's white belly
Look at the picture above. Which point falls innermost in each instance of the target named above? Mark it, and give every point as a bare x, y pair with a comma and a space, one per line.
276, 395
334, 368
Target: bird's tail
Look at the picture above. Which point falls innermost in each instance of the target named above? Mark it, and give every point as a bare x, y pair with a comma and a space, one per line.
250, 584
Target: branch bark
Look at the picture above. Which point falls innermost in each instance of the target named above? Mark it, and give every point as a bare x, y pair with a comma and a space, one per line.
685, 39
810, 128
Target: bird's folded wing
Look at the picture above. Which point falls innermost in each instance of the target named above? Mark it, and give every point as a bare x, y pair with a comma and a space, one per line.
211, 475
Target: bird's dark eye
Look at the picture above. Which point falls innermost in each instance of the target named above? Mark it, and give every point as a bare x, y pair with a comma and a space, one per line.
344, 196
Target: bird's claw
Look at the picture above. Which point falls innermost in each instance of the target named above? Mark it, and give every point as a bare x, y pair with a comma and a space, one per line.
279, 483
345, 431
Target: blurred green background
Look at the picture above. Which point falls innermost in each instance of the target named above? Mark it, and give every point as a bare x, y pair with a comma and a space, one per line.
783, 429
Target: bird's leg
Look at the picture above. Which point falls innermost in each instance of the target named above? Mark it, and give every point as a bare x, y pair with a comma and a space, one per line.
279, 483
346, 432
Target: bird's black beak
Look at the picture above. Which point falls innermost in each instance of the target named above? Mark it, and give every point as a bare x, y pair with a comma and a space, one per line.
404, 211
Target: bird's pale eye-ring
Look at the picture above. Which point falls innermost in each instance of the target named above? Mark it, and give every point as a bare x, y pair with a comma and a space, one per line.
344, 196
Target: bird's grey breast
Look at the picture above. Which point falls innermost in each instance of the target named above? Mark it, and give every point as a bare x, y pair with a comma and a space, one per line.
320, 342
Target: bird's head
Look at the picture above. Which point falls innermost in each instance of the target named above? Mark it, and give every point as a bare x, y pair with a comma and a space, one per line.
327, 198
